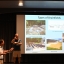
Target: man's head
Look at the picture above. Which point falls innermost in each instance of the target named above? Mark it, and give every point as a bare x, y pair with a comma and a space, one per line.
1, 42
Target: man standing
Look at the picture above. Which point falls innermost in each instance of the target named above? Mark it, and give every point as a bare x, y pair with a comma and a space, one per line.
16, 46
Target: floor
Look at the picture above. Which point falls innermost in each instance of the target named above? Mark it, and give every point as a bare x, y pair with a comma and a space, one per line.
18, 63
28, 63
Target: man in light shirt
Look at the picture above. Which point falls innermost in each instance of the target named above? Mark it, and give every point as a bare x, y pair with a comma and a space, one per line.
2, 51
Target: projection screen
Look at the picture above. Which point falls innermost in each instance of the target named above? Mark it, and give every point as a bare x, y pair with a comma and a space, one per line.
41, 33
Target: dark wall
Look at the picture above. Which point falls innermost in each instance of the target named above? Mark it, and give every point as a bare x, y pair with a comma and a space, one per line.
7, 30
20, 23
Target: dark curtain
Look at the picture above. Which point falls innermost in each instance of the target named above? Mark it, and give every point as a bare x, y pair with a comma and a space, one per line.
7, 31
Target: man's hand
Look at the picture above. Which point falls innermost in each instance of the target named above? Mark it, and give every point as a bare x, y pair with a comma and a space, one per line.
15, 43
11, 49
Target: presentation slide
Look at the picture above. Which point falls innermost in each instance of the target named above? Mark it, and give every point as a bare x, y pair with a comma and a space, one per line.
44, 34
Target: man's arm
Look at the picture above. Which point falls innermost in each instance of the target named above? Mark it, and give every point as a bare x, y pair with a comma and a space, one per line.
2, 53
11, 49
19, 43
5, 51
13, 40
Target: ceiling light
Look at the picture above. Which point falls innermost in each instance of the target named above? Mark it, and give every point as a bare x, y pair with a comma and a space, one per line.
20, 3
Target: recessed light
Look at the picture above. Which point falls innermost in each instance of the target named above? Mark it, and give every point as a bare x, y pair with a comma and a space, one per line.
20, 3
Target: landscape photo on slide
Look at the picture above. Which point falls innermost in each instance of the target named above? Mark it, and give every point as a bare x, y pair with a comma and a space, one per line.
35, 27
35, 44
54, 44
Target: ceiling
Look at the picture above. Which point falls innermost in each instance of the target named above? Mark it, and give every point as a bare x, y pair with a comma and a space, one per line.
9, 4
32, 4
